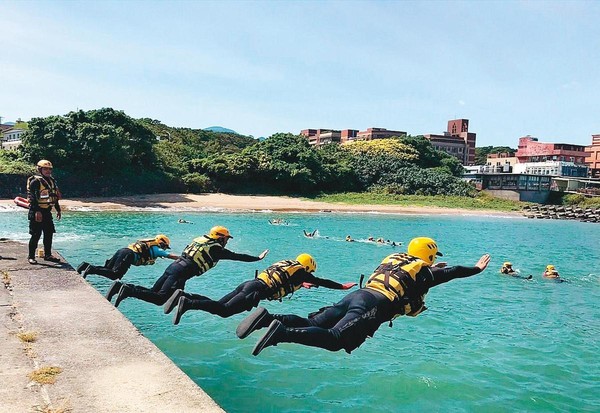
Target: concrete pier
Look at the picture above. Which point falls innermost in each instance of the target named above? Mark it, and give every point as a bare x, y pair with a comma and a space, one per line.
106, 364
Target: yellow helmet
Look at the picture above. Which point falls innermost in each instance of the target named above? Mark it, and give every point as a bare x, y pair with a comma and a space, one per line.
164, 241
218, 232
507, 264
44, 164
549, 267
308, 262
424, 248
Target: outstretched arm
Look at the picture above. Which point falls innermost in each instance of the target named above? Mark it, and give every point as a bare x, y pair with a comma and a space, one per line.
225, 254
323, 282
442, 275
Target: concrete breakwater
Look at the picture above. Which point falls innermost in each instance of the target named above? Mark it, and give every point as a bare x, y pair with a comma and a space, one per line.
562, 212
65, 348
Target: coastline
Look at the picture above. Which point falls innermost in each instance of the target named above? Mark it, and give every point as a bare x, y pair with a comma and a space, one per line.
250, 203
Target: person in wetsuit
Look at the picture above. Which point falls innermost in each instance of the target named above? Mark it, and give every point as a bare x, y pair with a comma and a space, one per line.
42, 194
141, 252
199, 256
397, 287
274, 283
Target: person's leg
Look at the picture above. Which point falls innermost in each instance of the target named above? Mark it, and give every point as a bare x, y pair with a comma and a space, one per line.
49, 230
116, 267
243, 298
33, 242
343, 326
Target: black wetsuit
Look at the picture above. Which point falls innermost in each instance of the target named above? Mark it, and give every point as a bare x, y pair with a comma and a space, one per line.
177, 274
116, 267
347, 324
47, 224
249, 293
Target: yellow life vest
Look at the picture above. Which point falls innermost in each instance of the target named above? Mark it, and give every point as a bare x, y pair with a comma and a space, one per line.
396, 278
48, 191
199, 252
142, 248
278, 278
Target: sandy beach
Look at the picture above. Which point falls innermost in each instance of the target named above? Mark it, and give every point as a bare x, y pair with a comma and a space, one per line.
249, 203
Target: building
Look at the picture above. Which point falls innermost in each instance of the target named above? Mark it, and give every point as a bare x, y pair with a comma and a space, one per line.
456, 141
531, 150
592, 158
11, 137
501, 162
552, 168
378, 133
318, 137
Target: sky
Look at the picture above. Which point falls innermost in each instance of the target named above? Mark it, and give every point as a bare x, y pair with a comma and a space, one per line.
513, 68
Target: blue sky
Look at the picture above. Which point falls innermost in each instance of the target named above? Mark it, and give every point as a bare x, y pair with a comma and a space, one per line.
512, 68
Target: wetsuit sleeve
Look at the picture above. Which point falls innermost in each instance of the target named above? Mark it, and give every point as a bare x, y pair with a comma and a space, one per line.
225, 254
321, 282
158, 252
56, 204
439, 276
33, 194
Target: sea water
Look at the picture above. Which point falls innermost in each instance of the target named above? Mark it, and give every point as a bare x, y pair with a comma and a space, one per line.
487, 343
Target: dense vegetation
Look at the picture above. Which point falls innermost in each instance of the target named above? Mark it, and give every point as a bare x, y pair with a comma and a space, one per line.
106, 152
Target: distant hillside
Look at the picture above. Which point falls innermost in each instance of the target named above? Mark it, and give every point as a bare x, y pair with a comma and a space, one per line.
220, 129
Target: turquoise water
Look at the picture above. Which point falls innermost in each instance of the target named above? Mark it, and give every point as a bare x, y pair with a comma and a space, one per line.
487, 343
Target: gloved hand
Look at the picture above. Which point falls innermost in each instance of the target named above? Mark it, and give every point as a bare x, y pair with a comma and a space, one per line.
347, 286
263, 254
309, 285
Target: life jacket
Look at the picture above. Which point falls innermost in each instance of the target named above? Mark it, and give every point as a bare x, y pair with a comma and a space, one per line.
397, 277
278, 278
49, 193
142, 248
551, 274
199, 252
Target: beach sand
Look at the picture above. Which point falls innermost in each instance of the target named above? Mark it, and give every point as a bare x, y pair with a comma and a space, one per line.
251, 203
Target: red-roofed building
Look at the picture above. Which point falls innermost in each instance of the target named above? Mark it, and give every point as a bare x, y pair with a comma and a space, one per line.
456, 141
531, 150
592, 158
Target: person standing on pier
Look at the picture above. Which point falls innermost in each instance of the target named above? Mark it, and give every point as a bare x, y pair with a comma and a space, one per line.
42, 195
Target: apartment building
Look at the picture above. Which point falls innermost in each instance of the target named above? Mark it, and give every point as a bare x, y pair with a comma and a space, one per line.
456, 141
592, 158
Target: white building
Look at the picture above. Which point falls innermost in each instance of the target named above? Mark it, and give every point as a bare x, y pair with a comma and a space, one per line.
12, 139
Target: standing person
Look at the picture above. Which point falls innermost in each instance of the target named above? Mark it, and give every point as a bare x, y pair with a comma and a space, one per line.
199, 256
142, 252
397, 287
42, 194
280, 279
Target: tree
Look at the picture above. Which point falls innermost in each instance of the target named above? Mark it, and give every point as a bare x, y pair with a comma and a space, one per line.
481, 153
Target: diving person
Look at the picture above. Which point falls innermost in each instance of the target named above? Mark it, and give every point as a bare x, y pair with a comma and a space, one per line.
278, 280
141, 252
42, 194
397, 287
202, 254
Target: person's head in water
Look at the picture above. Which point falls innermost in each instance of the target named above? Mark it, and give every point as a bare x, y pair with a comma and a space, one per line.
424, 248
219, 233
